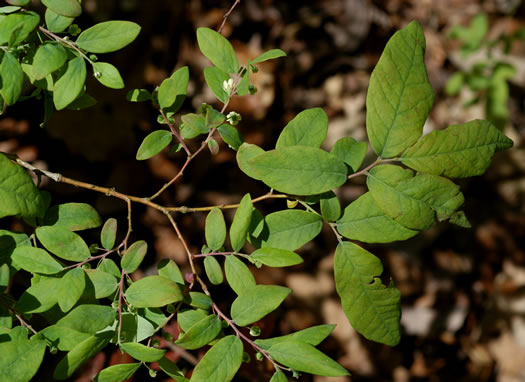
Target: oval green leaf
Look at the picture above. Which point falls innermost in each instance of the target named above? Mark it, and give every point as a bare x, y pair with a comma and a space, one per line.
215, 229
246, 152
57, 23
63, 243
154, 143
67, 8
221, 362
269, 55
70, 84
71, 288
142, 352
72, 216
133, 256
256, 302
36, 260
308, 128
215, 78
117, 373
201, 333
217, 49
103, 282
12, 78
350, 151
16, 27
48, 58
88, 318
108, 36
154, 292
241, 223
108, 75
109, 233
20, 359
213, 270
291, 229
238, 275
275, 257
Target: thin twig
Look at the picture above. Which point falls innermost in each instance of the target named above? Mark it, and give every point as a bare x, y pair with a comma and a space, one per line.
184, 354
65, 42
175, 132
216, 254
370, 166
226, 15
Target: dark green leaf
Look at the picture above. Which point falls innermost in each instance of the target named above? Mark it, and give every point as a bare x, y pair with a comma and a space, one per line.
153, 291
73, 216
109, 233
62, 337
88, 318
68, 8
269, 55
142, 352
133, 256
350, 151
63, 243
48, 58
16, 27
213, 270
201, 333
39, 297
154, 143
103, 282
256, 302
36, 260
241, 223
108, 36
172, 370
238, 275
12, 78
300, 170
279, 376
231, 136
57, 23
181, 78
193, 125
399, 95
330, 206
308, 128
117, 373
71, 288
215, 229
372, 308
83, 101
291, 229
221, 362
108, 75
275, 257
217, 49
70, 84
138, 95
215, 78
20, 359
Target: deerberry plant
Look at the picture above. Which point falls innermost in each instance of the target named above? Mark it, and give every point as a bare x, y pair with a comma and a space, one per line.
81, 298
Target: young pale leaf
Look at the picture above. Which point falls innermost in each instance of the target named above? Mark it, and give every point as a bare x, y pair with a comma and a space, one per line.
153, 292
330, 206
459, 151
154, 143
138, 95
363, 220
35, 260
372, 308
238, 275
245, 153
117, 373
399, 95
291, 229
200, 334
57, 23
20, 359
241, 223
108, 75
221, 362
63, 243
186, 319
88, 318
213, 270
12, 78
308, 128
108, 36
350, 151
133, 256
217, 49
269, 55
104, 283
18, 193
300, 170
109, 233
142, 352
169, 269
304, 357
256, 302
16, 27
275, 257
70, 84
231, 136
215, 229
63, 338
81, 353
193, 125
313, 336
73, 216
48, 58
67, 8
279, 376
71, 288
39, 297
215, 79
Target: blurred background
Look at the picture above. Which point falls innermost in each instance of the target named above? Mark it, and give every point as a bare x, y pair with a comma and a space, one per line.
462, 290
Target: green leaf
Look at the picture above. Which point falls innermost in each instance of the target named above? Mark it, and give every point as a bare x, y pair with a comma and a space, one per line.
83, 101
213, 270
70, 84
304, 357
201, 333
36, 260
20, 359
153, 292
308, 128
15, 6
454, 83
269, 55
154, 143
133, 256
193, 125
88, 318
68, 8
459, 151
291, 229
363, 220
215, 78
108, 36
48, 58
231, 136
16, 27
108, 75
221, 362
275, 257
169, 269
172, 370
238, 275
473, 35
241, 223
181, 78
300, 170
245, 153
350, 151
459, 218
167, 92
57, 23
399, 95
138, 95
186, 319
198, 300
117, 373
313, 336
279, 376
142, 352
39, 297
103, 282
109, 233
12, 78
18, 193
256, 302
330, 206
109, 266
80, 354
372, 308
72, 216
215, 229
63, 243
63, 338
217, 49
71, 288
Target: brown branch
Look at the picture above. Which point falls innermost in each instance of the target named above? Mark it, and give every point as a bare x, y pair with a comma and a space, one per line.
226, 15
